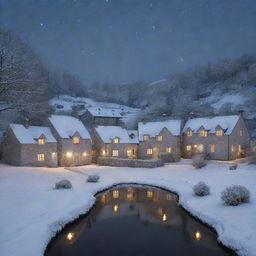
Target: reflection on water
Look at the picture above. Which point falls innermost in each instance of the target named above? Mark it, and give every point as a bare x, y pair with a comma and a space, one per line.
136, 221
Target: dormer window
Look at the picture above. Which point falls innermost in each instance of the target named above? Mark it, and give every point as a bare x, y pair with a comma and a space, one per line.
116, 140
41, 141
189, 133
203, 133
76, 140
219, 133
145, 137
159, 138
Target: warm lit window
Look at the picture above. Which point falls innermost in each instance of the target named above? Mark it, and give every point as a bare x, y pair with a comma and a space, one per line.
189, 133
115, 152
159, 138
129, 153
145, 137
241, 133
239, 148
212, 148
115, 193
69, 154
203, 133
40, 157
168, 149
41, 141
169, 197
103, 152
200, 148
76, 140
149, 194
188, 147
219, 133
149, 151
232, 148
116, 140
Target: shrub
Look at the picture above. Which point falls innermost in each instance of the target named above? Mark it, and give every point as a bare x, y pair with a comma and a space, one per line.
198, 161
201, 189
93, 178
235, 195
63, 184
166, 157
233, 166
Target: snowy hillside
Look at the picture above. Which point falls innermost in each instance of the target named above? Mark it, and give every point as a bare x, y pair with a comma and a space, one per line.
66, 104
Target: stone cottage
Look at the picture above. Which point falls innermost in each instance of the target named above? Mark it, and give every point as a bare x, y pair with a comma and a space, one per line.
160, 140
115, 141
101, 116
30, 145
219, 138
74, 141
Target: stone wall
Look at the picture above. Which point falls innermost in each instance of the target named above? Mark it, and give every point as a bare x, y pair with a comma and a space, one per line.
111, 161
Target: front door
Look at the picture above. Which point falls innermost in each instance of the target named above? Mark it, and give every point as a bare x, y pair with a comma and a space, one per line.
155, 154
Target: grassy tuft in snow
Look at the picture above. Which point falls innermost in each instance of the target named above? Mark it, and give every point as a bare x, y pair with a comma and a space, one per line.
201, 189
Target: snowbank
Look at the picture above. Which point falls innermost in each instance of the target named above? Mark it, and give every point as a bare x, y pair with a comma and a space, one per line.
32, 211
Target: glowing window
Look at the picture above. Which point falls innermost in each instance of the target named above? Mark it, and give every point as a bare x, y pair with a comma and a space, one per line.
241, 133
219, 133
115, 152
239, 148
149, 151
145, 137
76, 140
188, 147
40, 157
232, 148
200, 148
41, 141
212, 148
159, 138
115, 193
169, 197
168, 149
116, 140
189, 133
149, 194
203, 133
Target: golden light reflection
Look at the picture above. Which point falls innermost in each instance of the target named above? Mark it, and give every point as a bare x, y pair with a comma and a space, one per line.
103, 199
164, 217
115, 193
130, 194
70, 236
198, 235
115, 208
149, 194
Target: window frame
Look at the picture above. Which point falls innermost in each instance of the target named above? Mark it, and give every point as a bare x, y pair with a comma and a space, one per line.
168, 150
115, 152
76, 140
41, 157
159, 138
149, 151
146, 136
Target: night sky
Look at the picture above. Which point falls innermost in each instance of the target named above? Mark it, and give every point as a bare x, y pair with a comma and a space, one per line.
126, 40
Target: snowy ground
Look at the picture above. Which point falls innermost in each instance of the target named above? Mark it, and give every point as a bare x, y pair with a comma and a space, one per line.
32, 211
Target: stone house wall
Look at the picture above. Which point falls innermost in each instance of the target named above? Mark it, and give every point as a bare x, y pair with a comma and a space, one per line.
160, 146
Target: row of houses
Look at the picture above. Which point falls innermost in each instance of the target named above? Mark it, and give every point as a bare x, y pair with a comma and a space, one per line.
70, 141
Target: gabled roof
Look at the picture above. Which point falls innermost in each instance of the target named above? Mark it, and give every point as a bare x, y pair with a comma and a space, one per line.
227, 123
30, 134
67, 126
105, 112
108, 133
154, 128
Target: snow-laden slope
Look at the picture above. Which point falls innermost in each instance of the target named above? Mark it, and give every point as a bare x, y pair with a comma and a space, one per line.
32, 211
65, 103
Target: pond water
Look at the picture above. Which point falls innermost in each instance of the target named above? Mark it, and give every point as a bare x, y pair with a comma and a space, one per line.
137, 221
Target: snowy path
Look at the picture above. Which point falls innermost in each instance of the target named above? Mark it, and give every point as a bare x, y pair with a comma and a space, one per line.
31, 211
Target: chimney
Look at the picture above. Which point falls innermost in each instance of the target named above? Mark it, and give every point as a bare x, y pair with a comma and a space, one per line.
26, 122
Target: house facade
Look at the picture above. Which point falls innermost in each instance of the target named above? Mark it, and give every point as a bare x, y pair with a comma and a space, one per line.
74, 140
159, 138
115, 141
218, 138
29, 146
101, 116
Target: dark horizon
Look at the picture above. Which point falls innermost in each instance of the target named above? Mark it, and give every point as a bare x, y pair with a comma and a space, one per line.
122, 41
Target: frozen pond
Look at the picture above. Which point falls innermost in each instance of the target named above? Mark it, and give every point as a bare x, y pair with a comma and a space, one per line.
136, 221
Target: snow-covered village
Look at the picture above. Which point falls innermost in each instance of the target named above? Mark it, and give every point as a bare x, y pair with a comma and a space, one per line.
127, 127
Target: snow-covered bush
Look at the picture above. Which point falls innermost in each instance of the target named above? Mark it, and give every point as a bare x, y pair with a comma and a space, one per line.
199, 161
166, 157
93, 178
235, 195
233, 166
63, 184
201, 189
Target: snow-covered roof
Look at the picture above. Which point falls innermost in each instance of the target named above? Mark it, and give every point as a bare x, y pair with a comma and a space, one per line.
105, 112
227, 123
67, 126
31, 133
154, 128
108, 133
